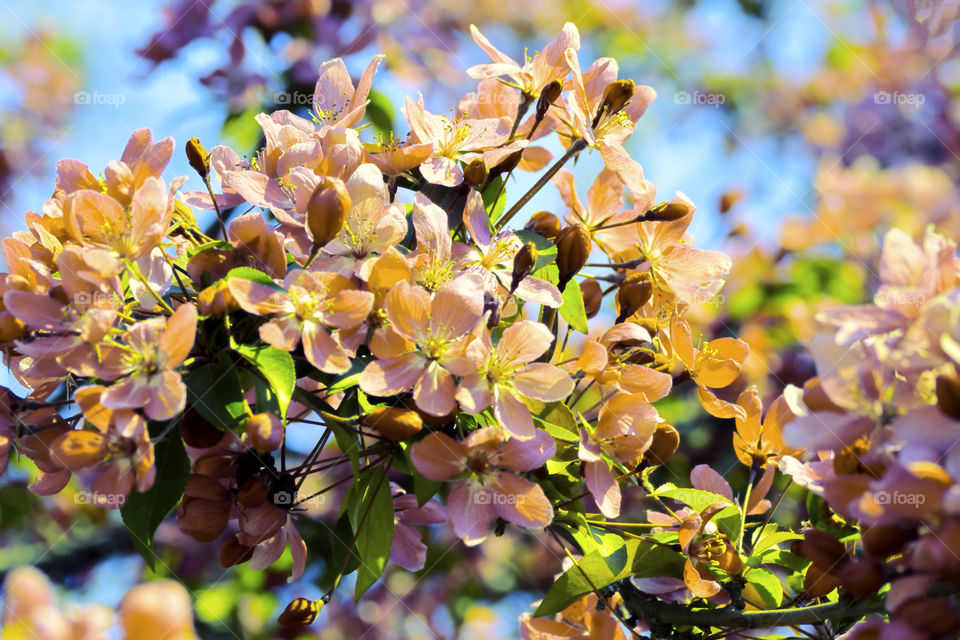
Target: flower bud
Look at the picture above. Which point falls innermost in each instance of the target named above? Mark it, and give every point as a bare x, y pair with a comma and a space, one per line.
666, 440
300, 612
573, 249
882, 541
523, 264
548, 95
327, 210
931, 617
615, 97
861, 578
233, 553
491, 306
818, 583
197, 432
216, 299
198, 157
729, 198
158, 609
822, 549
394, 423
507, 165
592, 296
545, 224
475, 173
633, 293
948, 395
264, 432
667, 211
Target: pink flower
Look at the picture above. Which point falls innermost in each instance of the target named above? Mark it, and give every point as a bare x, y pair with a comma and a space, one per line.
530, 77
311, 304
624, 431
335, 101
609, 363
145, 363
407, 549
502, 375
438, 259
450, 139
269, 529
429, 344
491, 488
493, 259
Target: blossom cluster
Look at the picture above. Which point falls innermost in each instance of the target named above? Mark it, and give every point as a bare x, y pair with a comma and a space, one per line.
457, 368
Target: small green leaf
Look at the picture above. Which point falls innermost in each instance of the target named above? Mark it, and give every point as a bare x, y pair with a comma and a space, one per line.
214, 390
380, 113
494, 199
213, 244
374, 530
773, 537
572, 308
142, 513
556, 419
249, 273
767, 585
277, 367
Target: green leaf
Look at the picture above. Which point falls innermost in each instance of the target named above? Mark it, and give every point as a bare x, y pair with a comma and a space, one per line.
493, 204
249, 273
213, 244
277, 367
572, 309
375, 532
773, 537
214, 390
142, 513
557, 419
380, 113
643, 559
728, 520
767, 585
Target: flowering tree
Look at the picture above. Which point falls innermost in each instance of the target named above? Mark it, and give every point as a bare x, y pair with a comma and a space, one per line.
454, 369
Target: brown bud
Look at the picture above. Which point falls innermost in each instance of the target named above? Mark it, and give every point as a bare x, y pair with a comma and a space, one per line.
822, 549
883, 541
197, 432
861, 578
617, 94
327, 210
667, 211
523, 264
666, 440
548, 95
198, 157
394, 423
818, 583
475, 173
933, 617
491, 306
573, 249
233, 553
545, 224
203, 520
948, 395
592, 296
300, 612
633, 294
216, 299
729, 198
507, 165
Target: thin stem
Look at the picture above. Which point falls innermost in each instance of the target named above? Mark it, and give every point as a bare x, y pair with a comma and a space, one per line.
575, 148
746, 507
135, 271
216, 207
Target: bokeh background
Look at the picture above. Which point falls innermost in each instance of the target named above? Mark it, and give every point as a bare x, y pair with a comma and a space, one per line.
801, 128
